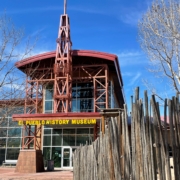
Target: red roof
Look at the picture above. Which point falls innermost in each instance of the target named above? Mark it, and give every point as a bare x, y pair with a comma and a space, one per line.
52, 54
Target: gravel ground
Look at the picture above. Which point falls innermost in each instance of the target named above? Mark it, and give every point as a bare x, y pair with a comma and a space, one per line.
7, 173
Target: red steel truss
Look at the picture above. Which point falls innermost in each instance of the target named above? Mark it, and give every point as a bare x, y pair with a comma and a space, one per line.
35, 81
98, 74
61, 75
63, 68
31, 138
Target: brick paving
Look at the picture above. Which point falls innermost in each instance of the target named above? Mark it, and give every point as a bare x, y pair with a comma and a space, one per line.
7, 173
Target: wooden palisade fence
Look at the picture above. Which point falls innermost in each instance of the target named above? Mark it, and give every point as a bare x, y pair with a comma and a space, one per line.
136, 150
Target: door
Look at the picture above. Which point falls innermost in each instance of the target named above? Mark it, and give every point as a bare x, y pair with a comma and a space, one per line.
66, 157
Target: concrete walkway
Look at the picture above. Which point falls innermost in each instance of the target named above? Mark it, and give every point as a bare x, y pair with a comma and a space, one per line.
7, 173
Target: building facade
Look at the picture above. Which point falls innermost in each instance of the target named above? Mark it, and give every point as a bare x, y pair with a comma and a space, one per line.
65, 92
59, 139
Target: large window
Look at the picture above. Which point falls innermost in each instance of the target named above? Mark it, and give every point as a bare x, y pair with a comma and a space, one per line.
55, 139
82, 97
67, 137
48, 99
10, 140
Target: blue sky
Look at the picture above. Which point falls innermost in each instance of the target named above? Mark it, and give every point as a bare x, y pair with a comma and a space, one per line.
104, 25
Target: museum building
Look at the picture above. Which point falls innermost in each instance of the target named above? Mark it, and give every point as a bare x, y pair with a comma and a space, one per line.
65, 91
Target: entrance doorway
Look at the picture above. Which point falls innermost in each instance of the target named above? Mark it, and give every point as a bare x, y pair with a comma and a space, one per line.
60, 143
66, 160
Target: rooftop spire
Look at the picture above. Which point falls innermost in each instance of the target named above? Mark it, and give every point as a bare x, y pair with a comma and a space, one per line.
65, 6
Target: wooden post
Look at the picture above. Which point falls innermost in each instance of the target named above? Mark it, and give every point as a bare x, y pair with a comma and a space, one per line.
103, 125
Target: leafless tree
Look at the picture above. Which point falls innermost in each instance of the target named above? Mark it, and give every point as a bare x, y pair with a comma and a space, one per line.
159, 37
12, 49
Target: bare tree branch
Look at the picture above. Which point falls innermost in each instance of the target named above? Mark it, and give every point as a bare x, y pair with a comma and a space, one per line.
12, 84
159, 37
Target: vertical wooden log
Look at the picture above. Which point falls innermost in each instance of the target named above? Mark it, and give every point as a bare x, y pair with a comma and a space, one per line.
137, 146
122, 152
170, 108
133, 142
138, 173
103, 124
176, 135
168, 170
173, 137
147, 137
136, 94
95, 162
121, 144
115, 150
162, 147
108, 162
81, 163
157, 139
131, 105
85, 161
152, 154
127, 143
112, 174
100, 158
144, 145
140, 138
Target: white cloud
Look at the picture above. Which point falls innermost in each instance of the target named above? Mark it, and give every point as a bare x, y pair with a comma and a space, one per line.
30, 10
134, 79
131, 58
127, 74
129, 54
57, 8
132, 17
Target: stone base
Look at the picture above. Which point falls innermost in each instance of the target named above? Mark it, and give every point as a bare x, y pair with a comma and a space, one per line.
30, 161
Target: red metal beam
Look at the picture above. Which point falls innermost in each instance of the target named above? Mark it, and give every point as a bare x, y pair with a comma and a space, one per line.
63, 68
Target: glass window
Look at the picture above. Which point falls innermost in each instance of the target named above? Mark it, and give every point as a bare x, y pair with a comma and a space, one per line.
47, 131
3, 142
47, 140
81, 139
66, 157
13, 142
74, 106
91, 138
14, 132
12, 154
3, 132
68, 140
49, 94
2, 156
48, 106
48, 103
68, 131
84, 85
31, 132
74, 93
57, 131
46, 154
13, 123
91, 131
83, 97
85, 93
83, 131
3, 122
56, 140
56, 156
